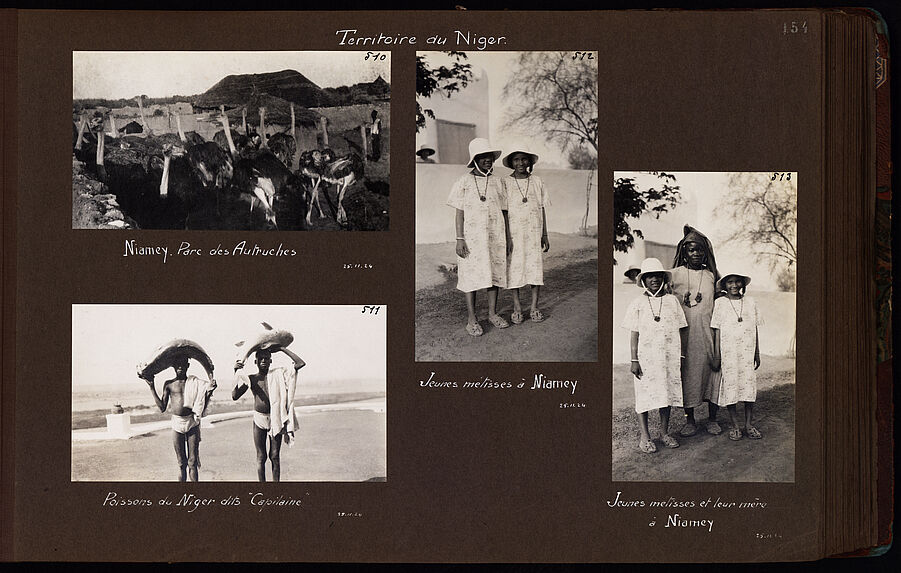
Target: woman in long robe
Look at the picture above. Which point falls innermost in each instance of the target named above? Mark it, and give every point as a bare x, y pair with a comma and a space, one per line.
694, 277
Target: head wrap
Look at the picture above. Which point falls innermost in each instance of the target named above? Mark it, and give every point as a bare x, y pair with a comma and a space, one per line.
692, 235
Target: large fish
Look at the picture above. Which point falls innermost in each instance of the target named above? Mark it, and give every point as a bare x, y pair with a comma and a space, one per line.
268, 339
164, 357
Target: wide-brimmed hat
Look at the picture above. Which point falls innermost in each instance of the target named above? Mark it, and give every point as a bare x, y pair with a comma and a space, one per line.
721, 284
506, 160
425, 151
632, 272
649, 266
478, 146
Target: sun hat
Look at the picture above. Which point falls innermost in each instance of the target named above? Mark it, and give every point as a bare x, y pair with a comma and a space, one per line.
425, 151
721, 284
652, 265
632, 272
506, 160
478, 146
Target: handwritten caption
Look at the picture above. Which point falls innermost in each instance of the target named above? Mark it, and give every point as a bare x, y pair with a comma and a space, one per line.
691, 514
537, 382
255, 501
352, 37
186, 249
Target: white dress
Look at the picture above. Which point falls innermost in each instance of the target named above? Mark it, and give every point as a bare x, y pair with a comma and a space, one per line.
659, 350
525, 265
737, 343
484, 231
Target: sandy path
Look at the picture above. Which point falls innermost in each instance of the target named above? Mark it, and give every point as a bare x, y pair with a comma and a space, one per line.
331, 446
704, 457
568, 300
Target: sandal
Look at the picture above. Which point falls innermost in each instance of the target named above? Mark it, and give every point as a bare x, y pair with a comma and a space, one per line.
536, 316
714, 428
688, 430
669, 441
516, 317
498, 321
647, 447
753, 433
735, 434
474, 328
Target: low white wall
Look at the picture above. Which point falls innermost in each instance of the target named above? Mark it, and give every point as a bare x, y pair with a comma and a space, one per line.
566, 189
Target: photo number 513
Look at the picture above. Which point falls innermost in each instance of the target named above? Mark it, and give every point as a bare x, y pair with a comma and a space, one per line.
781, 176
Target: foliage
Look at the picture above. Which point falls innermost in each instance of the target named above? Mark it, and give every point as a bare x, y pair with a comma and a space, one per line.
631, 202
553, 94
764, 210
443, 79
582, 158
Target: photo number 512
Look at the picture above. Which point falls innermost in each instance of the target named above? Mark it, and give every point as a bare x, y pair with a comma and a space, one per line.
583, 55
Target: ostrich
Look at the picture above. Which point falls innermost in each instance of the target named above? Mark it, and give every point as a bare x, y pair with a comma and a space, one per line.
239, 146
284, 147
342, 171
198, 180
280, 193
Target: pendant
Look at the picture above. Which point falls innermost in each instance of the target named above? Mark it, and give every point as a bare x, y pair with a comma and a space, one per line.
525, 199
656, 319
686, 300
483, 198
699, 297
739, 319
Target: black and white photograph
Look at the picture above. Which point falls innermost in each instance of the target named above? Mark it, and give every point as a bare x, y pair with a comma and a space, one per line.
704, 320
283, 140
234, 393
506, 206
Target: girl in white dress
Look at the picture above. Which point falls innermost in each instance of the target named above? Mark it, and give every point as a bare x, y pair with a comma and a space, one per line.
526, 202
482, 233
736, 350
657, 342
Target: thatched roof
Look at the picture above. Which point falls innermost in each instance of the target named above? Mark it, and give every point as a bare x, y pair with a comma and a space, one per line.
290, 85
278, 111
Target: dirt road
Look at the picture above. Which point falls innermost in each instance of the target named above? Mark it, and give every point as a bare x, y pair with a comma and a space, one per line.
568, 301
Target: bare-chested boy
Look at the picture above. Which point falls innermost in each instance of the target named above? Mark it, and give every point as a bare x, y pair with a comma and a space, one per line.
185, 417
277, 425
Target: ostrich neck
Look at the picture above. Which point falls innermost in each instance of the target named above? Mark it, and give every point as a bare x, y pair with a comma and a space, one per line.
263, 128
164, 182
181, 133
101, 141
228, 134
81, 124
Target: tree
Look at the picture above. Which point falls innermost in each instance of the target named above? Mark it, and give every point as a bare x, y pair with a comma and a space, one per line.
764, 210
630, 202
444, 79
555, 94
581, 158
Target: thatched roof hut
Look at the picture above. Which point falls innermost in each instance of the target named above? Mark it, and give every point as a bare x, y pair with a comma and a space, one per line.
278, 112
290, 85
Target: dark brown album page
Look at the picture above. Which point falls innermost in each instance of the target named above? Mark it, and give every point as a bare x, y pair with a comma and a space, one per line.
418, 436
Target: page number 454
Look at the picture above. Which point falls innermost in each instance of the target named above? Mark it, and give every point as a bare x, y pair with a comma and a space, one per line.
794, 27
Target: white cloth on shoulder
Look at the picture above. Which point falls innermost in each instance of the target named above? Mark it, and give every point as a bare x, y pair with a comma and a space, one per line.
195, 395
281, 387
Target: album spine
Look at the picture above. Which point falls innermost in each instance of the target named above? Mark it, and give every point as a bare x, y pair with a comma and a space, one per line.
8, 189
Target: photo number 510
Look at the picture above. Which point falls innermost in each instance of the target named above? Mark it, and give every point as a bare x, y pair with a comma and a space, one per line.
375, 56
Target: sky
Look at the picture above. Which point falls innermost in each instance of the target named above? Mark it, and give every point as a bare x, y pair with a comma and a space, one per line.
115, 75
708, 189
337, 342
500, 67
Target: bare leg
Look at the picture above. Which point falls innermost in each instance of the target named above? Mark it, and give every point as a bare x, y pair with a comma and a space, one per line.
749, 413
192, 441
259, 442
691, 427
643, 427
733, 415
535, 291
664, 419
517, 305
471, 306
275, 446
712, 410
179, 443
492, 300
